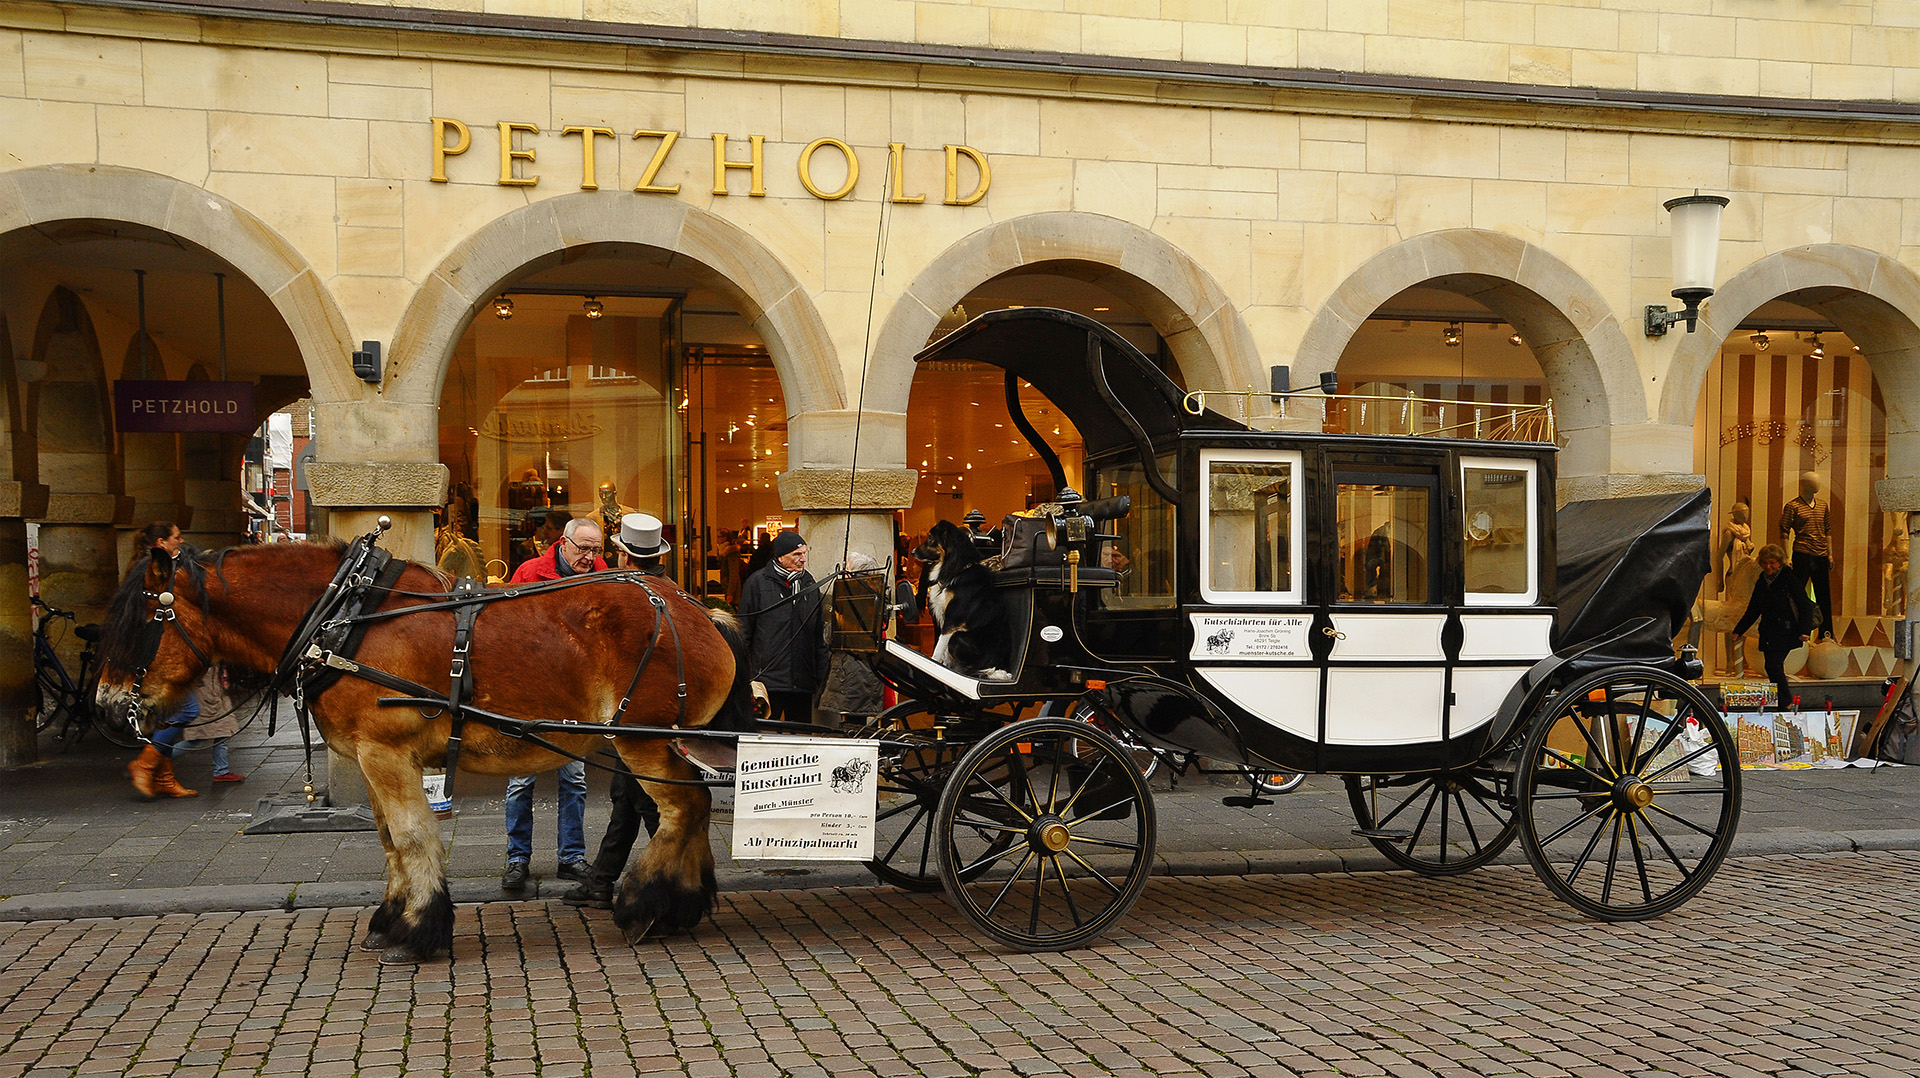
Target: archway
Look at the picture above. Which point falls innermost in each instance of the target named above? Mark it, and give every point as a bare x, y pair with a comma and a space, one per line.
1562, 319
1806, 365
1202, 327
55, 202
619, 379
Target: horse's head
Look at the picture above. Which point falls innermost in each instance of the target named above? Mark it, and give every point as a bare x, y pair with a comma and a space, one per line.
155, 642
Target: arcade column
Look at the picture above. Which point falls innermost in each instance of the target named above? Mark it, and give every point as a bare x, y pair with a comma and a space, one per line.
18, 697
841, 512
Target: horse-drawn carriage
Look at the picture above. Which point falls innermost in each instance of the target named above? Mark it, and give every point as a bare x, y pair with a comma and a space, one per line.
1379, 608
1248, 601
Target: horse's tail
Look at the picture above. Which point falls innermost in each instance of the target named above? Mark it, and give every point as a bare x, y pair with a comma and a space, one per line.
737, 714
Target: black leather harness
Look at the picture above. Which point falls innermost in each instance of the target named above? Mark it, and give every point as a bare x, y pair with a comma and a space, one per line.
322, 651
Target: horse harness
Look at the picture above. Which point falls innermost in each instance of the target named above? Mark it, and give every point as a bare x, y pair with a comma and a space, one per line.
322, 650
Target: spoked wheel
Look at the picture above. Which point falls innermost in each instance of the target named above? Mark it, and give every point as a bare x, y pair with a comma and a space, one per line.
1048, 832
1437, 824
1277, 782
1100, 718
909, 789
53, 702
1629, 793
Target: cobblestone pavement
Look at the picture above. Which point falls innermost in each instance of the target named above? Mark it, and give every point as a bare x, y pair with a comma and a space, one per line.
1784, 966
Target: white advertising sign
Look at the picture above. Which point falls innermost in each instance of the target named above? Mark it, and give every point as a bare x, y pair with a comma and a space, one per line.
804, 799
1250, 636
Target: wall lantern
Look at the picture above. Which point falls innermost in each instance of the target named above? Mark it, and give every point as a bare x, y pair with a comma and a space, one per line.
1696, 253
502, 307
1819, 350
366, 362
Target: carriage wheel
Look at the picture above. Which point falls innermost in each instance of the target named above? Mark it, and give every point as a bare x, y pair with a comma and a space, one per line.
1629, 792
1048, 832
909, 789
1437, 824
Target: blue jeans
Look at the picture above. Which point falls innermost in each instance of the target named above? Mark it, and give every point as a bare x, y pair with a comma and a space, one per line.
573, 812
221, 763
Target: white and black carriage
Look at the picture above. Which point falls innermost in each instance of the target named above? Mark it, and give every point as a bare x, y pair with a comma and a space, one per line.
1389, 609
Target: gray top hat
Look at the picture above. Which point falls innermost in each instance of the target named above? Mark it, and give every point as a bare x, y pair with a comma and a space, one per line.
640, 536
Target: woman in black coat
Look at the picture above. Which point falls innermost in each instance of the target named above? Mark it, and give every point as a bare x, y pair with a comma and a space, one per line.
1780, 605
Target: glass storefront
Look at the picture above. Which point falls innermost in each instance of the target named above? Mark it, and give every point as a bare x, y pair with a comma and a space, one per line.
1771, 420
594, 407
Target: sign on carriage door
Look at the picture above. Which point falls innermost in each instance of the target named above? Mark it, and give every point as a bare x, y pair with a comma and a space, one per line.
1387, 671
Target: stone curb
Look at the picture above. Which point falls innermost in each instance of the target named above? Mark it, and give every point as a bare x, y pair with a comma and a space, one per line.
151, 901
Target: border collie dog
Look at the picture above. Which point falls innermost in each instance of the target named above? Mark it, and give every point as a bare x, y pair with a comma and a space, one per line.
968, 614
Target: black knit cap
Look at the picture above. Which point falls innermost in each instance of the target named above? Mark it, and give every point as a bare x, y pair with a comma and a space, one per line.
786, 543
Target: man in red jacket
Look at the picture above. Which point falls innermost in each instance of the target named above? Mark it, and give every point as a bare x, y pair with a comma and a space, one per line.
577, 551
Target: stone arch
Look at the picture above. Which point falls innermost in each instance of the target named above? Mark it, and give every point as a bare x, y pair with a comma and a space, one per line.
1186, 305
34, 197
1872, 298
719, 254
1589, 364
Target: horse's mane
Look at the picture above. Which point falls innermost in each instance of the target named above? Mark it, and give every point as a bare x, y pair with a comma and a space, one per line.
127, 611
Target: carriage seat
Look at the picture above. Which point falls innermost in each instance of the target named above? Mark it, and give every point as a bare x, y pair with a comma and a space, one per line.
945, 675
1052, 576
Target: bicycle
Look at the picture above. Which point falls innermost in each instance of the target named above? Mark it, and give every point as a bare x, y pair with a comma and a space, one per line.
68, 700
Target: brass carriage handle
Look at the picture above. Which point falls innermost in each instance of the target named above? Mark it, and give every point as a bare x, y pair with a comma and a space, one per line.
1328, 630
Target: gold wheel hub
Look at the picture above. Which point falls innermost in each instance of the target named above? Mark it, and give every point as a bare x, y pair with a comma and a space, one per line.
1054, 836
1632, 795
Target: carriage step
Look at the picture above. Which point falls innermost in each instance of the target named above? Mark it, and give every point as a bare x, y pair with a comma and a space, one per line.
1244, 801
1382, 832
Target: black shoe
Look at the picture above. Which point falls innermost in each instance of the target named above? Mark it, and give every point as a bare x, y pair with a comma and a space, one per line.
597, 896
578, 871
515, 878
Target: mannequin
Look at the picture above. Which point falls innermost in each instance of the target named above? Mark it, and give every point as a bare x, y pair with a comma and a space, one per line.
1738, 571
1803, 530
610, 513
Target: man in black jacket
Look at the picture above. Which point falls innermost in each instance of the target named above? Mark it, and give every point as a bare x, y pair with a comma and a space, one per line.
780, 610
1780, 604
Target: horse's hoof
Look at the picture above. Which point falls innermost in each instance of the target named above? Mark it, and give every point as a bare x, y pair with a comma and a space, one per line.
375, 941
639, 932
400, 956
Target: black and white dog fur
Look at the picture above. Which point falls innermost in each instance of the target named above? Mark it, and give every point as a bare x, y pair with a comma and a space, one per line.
967, 612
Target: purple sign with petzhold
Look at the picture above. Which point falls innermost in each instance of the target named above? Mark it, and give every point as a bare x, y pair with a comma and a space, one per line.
179, 407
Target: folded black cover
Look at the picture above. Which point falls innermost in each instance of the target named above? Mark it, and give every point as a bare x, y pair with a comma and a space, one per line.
1622, 560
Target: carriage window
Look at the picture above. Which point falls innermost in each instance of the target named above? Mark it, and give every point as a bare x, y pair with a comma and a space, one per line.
1386, 540
1498, 510
1144, 556
1250, 550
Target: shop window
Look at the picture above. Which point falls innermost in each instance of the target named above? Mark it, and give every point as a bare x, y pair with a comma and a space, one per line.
1498, 506
1385, 526
1251, 548
1145, 555
1775, 417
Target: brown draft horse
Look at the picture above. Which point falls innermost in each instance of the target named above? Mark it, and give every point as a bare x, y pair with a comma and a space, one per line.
549, 654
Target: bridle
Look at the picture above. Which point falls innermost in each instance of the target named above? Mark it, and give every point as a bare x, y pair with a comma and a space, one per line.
149, 646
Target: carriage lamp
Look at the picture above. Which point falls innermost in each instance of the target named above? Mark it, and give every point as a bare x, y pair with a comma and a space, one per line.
1696, 254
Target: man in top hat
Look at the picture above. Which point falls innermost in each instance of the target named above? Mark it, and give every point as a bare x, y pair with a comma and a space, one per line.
781, 614
641, 548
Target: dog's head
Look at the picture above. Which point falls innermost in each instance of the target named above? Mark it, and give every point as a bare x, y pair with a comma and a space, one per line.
948, 543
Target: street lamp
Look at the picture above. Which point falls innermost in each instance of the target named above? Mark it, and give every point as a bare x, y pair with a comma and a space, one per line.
1696, 251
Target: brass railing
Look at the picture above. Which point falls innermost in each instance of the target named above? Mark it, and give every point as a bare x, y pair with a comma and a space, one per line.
1400, 416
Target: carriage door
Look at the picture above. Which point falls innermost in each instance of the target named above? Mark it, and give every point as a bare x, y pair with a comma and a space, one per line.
1386, 673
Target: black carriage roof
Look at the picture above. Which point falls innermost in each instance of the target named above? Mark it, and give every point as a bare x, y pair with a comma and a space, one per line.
1103, 384
1071, 358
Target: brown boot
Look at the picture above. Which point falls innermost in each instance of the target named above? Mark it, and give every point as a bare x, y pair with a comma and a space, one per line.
165, 785
141, 771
